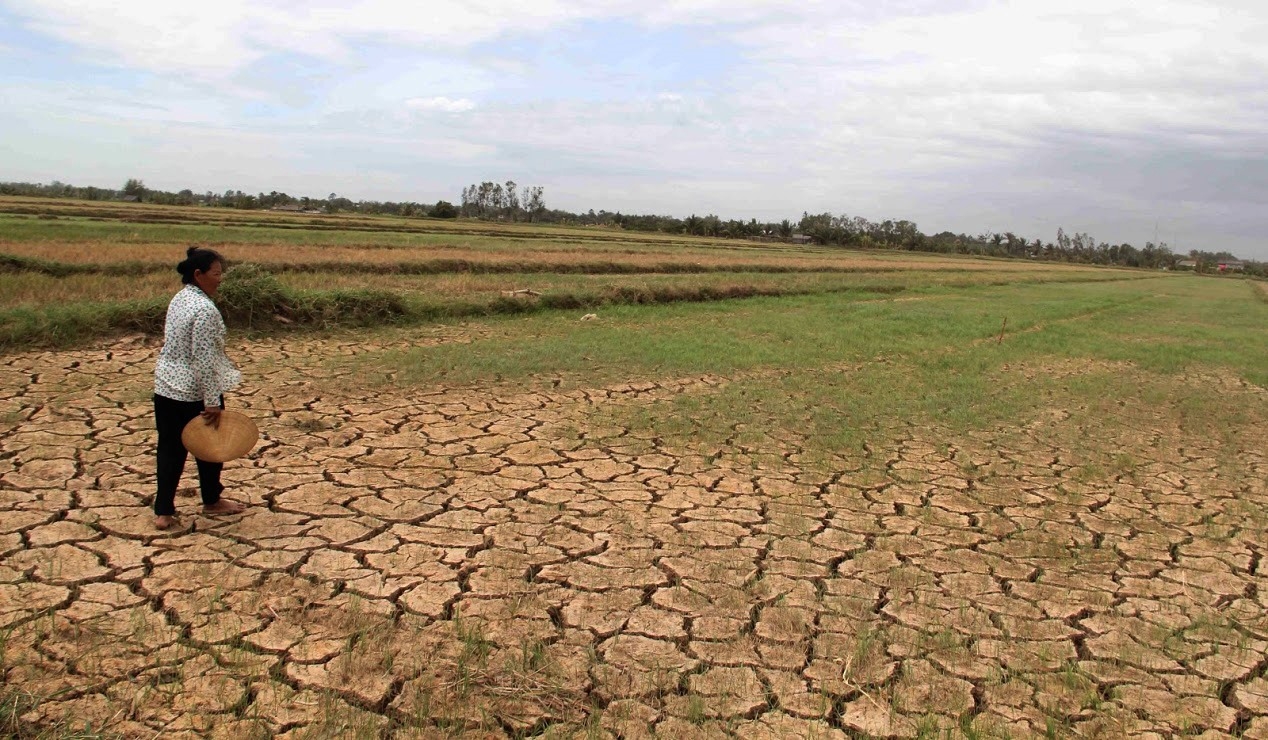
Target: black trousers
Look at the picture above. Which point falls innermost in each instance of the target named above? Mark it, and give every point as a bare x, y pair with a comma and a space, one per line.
171, 417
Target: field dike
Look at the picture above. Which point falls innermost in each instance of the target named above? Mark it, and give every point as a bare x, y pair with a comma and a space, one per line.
19, 263
254, 300
461, 562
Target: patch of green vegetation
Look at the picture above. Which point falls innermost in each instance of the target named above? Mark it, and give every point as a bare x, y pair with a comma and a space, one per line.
16, 703
78, 323
843, 368
1173, 326
790, 333
696, 712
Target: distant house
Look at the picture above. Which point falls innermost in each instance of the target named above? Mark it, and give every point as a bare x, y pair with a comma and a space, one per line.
801, 239
131, 199
289, 208
1224, 266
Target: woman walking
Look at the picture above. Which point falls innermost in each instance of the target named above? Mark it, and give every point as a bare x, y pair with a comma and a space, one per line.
190, 380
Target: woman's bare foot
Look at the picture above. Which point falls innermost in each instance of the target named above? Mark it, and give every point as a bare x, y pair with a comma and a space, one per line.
164, 522
224, 506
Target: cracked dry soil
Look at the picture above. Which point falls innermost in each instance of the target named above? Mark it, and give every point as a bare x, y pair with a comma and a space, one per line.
447, 563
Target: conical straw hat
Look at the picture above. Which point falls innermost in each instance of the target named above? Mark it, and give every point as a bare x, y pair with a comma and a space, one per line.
234, 437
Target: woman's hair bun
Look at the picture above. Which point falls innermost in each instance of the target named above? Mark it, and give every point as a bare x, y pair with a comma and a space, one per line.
197, 259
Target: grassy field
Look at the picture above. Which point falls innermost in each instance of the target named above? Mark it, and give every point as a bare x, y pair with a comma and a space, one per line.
813, 322
74, 272
687, 488
819, 330
937, 356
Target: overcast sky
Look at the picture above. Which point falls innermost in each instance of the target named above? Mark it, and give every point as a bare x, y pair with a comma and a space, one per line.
1121, 118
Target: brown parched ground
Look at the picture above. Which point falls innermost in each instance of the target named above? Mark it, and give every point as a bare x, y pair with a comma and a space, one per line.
455, 563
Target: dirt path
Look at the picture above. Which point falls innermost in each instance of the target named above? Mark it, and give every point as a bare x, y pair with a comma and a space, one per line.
453, 564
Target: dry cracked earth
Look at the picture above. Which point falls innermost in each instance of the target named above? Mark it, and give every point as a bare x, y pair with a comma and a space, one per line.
448, 563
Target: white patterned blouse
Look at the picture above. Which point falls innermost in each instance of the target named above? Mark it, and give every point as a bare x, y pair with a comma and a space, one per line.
192, 365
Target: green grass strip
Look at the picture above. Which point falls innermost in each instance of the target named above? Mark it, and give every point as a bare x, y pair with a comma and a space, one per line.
253, 299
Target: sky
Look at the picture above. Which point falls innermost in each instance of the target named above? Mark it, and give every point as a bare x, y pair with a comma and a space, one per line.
1131, 121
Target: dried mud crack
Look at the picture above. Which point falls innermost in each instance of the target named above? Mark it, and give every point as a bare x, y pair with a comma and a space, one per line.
447, 562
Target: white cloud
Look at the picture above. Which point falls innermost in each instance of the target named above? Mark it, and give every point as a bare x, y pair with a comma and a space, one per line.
1119, 63
442, 104
213, 40
1106, 64
159, 36
902, 110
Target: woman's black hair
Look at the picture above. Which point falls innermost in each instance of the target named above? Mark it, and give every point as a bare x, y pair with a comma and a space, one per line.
197, 258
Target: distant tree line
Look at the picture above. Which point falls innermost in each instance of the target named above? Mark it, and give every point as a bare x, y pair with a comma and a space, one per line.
136, 190
860, 233
507, 201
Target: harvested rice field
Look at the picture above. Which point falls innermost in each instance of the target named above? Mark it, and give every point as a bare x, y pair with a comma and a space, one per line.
903, 503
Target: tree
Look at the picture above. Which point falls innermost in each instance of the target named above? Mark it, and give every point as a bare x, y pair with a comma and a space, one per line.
491, 200
1063, 241
535, 203
135, 188
512, 200
444, 209
499, 199
484, 199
